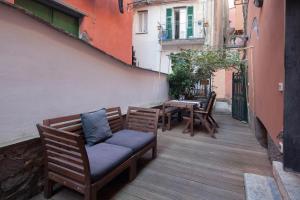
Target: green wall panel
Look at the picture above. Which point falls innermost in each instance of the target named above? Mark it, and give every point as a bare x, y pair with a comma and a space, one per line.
65, 22
51, 15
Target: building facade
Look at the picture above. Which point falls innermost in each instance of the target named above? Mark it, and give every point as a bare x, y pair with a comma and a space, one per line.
163, 27
265, 57
46, 73
99, 23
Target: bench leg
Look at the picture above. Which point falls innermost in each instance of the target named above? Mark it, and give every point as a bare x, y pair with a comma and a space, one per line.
90, 194
132, 171
48, 188
154, 151
169, 121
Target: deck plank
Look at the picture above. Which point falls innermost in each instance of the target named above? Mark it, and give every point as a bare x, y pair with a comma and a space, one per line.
193, 168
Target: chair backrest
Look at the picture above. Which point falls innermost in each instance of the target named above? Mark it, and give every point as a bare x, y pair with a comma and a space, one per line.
72, 123
65, 156
142, 119
211, 102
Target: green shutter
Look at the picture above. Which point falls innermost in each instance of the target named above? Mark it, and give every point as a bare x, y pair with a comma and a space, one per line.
190, 25
40, 10
66, 22
51, 15
169, 23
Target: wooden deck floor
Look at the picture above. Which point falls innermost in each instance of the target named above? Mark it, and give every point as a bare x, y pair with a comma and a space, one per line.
191, 168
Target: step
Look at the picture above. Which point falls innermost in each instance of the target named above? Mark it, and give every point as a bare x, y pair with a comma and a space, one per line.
288, 182
260, 187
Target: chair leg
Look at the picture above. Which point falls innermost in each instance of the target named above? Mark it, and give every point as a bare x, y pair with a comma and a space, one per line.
212, 124
90, 194
186, 128
48, 188
205, 123
132, 171
214, 121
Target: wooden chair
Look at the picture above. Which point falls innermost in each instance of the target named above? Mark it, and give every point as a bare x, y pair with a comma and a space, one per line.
205, 115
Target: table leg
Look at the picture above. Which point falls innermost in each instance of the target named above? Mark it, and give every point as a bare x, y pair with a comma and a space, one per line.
163, 118
192, 120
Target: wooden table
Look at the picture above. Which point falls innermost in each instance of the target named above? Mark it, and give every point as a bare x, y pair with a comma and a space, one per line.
189, 105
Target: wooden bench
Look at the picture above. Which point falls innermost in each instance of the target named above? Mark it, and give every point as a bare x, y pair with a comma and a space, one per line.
68, 161
168, 114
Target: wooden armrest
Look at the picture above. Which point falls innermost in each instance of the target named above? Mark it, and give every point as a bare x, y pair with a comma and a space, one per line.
58, 132
142, 119
201, 111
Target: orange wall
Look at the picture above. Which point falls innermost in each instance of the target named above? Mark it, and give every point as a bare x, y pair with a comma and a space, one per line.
107, 28
266, 64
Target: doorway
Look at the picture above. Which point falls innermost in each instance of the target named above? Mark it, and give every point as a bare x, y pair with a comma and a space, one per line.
180, 23
291, 135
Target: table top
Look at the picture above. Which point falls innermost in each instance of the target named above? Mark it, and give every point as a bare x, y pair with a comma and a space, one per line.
181, 103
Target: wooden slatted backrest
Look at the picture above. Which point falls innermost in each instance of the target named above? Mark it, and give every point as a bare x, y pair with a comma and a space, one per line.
65, 155
211, 102
72, 123
142, 119
115, 119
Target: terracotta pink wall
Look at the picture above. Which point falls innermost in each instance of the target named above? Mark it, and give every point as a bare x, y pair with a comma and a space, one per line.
232, 17
106, 27
45, 73
219, 84
266, 63
228, 86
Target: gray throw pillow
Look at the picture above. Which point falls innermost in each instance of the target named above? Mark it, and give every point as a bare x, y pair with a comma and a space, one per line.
95, 127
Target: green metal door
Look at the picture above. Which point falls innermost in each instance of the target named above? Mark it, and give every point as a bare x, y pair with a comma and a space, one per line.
239, 99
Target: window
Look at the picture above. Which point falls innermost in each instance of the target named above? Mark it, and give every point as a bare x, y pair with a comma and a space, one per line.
182, 24
143, 22
53, 16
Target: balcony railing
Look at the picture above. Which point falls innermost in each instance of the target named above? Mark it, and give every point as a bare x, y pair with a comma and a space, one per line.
182, 33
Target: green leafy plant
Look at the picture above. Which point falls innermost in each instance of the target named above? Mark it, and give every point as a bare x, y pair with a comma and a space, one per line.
191, 66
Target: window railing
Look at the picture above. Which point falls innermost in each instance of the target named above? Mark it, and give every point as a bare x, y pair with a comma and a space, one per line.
178, 31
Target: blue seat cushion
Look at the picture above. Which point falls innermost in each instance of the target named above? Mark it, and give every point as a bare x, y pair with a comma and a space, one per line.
131, 139
105, 157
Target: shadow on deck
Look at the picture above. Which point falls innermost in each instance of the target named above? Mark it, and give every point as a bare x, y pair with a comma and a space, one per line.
191, 168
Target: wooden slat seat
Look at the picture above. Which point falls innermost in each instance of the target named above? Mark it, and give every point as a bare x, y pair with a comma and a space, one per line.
67, 159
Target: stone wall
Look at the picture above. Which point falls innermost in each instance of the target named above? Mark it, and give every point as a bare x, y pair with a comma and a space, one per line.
273, 151
264, 138
21, 170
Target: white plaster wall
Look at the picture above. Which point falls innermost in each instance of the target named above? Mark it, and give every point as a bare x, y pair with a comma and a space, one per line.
45, 74
147, 48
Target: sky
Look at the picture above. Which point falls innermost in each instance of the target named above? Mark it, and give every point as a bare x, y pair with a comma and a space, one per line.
231, 3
